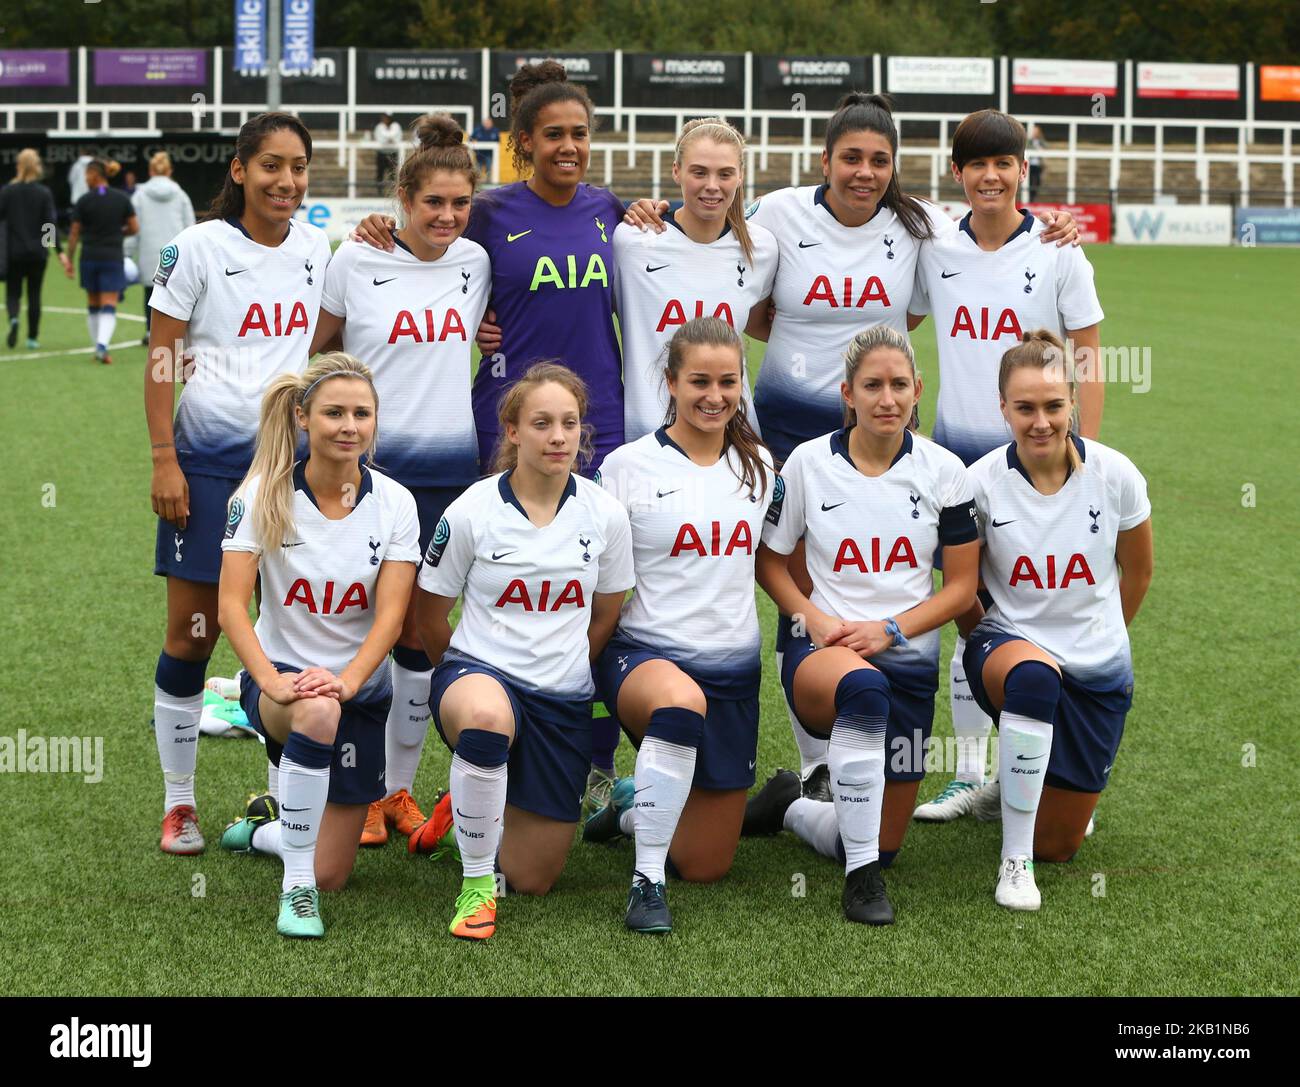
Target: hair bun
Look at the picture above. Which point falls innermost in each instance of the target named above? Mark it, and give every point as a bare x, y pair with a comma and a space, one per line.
437, 130
534, 75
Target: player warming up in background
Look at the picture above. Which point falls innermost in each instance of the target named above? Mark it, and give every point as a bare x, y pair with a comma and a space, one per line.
874, 502
335, 546
411, 314
541, 559
1067, 559
235, 300
681, 673
984, 283
101, 219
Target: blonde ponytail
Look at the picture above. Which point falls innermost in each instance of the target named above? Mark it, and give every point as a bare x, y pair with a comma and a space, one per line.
277, 443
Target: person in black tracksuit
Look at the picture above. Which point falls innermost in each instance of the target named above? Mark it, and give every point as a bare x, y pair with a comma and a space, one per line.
103, 216
27, 211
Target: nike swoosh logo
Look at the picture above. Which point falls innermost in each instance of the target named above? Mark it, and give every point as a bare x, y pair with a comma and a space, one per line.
852, 784
642, 789
665, 494
655, 268
413, 702
238, 273
381, 282
502, 554
1029, 758
827, 509
464, 816
753, 763
295, 809
516, 237
298, 544
999, 524
808, 245
182, 728
948, 275
955, 681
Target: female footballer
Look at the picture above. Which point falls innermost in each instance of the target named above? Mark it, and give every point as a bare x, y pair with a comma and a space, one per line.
712, 263
540, 559
1067, 558
681, 683
334, 545
873, 502
411, 314
550, 241
235, 301
986, 282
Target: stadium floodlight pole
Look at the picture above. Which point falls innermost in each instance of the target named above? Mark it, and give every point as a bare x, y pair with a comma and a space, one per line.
273, 27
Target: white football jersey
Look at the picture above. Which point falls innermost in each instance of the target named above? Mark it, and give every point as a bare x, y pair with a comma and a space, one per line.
871, 541
980, 303
1049, 560
252, 311
695, 531
318, 589
413, 323
526, 591
832, 282
665, 280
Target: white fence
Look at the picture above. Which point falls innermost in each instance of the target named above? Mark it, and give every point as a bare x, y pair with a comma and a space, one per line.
1108, 139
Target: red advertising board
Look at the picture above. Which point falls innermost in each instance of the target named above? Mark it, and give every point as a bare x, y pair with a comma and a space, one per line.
1093, 219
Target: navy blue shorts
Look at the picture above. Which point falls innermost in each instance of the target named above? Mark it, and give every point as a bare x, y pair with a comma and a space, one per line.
728, 750
431, 503
357, 768
102, 276
1089, 722
911, 710
195, 554
551, 753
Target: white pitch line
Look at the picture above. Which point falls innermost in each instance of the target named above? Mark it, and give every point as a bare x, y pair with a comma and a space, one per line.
34, 355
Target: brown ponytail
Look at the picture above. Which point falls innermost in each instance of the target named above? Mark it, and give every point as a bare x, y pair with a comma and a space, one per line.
739, 434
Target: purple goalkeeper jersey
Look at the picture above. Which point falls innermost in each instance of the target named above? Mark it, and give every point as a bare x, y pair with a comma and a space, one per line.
552, 290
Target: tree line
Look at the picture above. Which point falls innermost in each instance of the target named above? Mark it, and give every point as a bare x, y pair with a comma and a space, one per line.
1266, 31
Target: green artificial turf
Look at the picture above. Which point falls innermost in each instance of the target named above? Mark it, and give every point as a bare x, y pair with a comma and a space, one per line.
1195, 849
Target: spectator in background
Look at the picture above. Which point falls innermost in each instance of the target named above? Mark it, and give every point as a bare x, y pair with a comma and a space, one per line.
388, 134
103, 215
1036, 145
77, 177
485, 132
27, 211
128, 183
164, 210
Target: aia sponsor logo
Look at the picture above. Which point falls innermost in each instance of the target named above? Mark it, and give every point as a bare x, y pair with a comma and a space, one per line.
1043, 574
690, 541
850, 554
327, 600
542, 597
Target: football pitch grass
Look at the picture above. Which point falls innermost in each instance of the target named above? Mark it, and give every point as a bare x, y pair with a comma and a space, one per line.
1187, 887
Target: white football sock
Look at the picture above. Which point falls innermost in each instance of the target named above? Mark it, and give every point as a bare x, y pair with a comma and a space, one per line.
812, 749
627, 822
1024, 748
970, 724
272, 779
815, 823
663, 782
107, 324
856, 758
478, 801
92, 325
266, 838
408, 723
306, 789
176, 733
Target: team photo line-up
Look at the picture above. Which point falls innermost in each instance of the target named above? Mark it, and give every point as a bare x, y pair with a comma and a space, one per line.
577, 465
